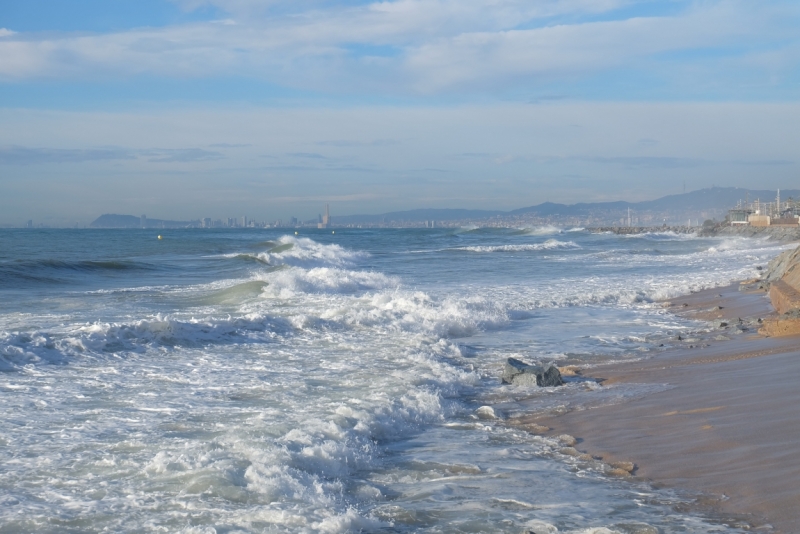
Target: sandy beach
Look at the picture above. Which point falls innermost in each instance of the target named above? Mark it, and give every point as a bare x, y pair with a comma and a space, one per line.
728, 426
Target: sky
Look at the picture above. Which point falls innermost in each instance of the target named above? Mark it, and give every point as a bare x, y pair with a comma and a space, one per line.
182, 109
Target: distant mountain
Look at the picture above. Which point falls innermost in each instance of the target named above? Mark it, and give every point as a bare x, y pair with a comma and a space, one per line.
709, 199
715, 198
111, 220
429, 214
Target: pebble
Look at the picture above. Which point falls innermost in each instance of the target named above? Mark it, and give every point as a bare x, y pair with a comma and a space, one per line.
567, 440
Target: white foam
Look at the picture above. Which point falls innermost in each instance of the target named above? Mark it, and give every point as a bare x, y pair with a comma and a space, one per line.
291, 282
547, 229
661, 236
305, 252
550, 244
274, 398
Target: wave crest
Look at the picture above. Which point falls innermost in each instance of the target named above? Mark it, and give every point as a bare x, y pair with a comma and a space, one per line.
550, 244
305, 252
547, 229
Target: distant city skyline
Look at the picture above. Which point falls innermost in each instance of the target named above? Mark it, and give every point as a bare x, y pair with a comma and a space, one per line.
187, 108
679, 209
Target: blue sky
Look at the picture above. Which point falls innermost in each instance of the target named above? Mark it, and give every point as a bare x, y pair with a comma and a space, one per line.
194, 108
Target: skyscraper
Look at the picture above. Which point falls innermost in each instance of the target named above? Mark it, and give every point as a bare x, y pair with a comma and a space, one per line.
326, 219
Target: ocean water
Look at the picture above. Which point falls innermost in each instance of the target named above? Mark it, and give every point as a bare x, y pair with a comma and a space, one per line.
246, 380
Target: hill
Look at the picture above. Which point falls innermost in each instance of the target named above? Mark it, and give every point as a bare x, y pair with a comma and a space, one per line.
713, 200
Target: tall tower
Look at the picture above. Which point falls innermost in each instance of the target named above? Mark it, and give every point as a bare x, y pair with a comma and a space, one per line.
326, 219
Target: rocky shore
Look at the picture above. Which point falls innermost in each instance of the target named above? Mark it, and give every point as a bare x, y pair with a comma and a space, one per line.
780, 233
782, 281
632, 230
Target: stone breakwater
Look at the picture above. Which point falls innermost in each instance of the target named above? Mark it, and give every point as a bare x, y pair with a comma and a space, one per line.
782, 280
780, 233
630, 230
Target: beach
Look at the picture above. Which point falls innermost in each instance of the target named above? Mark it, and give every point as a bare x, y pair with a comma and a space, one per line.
727, 425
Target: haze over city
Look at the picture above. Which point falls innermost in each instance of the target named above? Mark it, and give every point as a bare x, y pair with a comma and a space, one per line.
187, 109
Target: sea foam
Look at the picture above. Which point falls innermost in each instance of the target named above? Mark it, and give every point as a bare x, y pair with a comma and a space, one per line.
302, 386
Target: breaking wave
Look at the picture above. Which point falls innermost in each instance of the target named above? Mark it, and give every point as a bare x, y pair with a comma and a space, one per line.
550, 244
540, 230
268, 398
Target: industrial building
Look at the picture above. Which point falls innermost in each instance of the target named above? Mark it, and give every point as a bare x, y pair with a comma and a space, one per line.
759, 213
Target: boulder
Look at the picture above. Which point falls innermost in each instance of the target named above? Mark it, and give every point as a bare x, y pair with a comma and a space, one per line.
781, 264
520, 373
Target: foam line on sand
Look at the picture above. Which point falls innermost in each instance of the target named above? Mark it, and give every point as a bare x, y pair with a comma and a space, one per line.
729, 425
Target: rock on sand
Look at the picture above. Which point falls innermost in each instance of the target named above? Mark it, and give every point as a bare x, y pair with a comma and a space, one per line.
520, 373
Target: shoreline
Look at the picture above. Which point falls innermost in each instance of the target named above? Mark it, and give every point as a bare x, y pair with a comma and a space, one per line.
725, 430
777, 232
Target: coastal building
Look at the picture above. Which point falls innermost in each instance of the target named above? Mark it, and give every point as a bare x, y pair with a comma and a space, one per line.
759, 213
325, 221
756, 219
785, 221
738, 216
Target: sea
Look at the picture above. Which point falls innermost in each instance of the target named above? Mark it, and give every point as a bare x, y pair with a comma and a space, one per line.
331, 380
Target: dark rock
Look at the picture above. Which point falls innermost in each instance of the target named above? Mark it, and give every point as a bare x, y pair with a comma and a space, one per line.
521, 374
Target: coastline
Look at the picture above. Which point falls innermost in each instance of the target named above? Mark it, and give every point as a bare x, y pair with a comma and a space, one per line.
726, 428
779, 233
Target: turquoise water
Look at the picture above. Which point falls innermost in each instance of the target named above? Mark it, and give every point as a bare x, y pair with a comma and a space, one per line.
257, 381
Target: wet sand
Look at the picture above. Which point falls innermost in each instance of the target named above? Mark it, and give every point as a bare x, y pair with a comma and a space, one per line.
728, 428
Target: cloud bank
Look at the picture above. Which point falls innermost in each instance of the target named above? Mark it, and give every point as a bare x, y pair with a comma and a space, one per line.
277, 163
427, 47
19, 155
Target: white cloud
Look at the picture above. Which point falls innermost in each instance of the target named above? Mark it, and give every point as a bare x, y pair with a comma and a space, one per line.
494, 57
408, 46
6, 33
